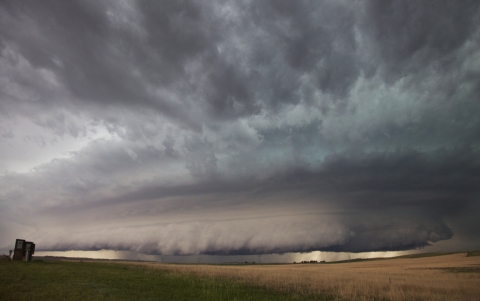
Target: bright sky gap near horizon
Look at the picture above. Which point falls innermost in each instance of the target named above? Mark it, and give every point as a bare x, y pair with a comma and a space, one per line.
240, 128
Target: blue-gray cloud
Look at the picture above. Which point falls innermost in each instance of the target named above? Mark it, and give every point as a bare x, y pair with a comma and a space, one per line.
230, 127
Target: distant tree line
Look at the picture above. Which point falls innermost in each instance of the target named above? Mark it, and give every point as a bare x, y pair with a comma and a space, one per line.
310, 261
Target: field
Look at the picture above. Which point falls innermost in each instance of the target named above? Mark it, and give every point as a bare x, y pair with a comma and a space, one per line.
418, 277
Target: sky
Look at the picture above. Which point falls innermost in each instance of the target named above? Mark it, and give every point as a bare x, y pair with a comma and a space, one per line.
202, 128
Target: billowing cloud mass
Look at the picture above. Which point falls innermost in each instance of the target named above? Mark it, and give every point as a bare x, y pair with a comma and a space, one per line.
239, 127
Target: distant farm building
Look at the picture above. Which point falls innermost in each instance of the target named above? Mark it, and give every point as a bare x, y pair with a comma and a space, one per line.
23, 250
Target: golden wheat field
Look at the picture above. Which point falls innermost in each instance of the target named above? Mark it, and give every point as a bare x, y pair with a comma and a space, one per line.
448, 277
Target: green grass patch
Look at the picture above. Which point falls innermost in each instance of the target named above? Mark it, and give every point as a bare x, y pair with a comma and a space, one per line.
473, 253
461, 270
61, 280
353, 260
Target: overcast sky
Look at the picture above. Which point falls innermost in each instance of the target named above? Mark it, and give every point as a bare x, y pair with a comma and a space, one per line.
239, 127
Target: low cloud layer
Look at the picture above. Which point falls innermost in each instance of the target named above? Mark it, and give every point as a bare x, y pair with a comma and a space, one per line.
236, 127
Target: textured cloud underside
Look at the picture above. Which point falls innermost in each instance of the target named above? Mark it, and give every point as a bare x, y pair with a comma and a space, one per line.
238, 127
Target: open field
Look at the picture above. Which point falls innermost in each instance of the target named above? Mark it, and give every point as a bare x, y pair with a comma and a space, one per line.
95, 280
447, 277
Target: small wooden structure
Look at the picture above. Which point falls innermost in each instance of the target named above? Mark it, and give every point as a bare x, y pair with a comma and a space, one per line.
23, 250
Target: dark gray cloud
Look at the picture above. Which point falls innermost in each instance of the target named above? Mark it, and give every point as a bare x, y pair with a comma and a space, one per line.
416, 34
229, 127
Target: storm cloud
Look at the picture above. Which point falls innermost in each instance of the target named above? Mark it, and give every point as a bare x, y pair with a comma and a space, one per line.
239, 127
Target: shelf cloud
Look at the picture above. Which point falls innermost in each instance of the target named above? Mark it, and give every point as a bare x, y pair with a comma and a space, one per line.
239, 127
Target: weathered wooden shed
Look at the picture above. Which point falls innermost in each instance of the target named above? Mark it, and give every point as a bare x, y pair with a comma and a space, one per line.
23, 250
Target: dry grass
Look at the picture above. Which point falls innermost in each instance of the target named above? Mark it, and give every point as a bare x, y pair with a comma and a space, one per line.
449, 277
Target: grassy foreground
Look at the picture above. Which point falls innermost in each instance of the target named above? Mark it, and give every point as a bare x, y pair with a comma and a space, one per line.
427, 277
62, 280
431, 277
